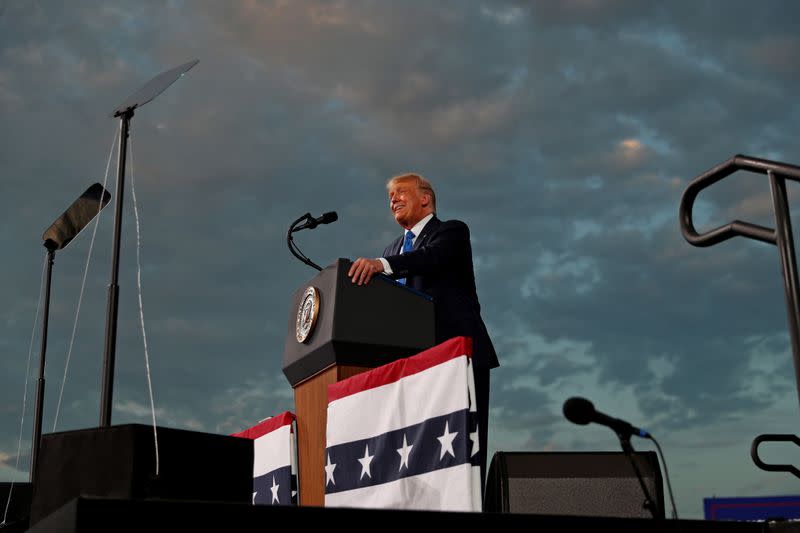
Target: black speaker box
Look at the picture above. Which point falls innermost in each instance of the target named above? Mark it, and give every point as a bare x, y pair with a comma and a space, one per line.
19, 505
573, 483
120, 462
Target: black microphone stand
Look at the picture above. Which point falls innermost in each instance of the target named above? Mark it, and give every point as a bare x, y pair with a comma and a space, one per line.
625, 442
290, 240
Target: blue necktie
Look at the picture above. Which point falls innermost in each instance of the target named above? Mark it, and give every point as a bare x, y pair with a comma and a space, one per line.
408, 245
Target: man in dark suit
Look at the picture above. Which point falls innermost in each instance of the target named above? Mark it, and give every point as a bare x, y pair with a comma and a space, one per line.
435, 257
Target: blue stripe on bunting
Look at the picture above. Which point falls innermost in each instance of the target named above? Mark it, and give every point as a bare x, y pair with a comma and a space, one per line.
278, 487
354, 468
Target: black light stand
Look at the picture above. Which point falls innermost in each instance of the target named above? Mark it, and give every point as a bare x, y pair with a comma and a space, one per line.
125, 113
37, 410
112, 309
116, 461
57, 237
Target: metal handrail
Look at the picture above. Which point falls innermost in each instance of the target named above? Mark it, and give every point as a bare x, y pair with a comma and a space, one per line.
771, 437
780, 236
736, 227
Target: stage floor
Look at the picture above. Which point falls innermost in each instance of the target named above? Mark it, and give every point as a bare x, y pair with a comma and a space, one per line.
102, 514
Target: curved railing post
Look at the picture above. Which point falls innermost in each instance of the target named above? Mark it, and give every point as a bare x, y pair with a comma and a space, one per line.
781, 236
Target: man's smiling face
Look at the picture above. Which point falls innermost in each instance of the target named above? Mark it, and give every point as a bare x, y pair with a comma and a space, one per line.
408, 203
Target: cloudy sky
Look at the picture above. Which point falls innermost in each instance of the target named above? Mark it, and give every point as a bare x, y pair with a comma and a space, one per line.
563, 133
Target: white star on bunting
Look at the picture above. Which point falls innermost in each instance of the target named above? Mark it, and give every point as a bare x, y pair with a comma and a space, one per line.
274, 489
365, 462
476, 445
446, 441
404, 452
329, 468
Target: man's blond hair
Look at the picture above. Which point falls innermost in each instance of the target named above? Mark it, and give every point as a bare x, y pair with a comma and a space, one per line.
421, 183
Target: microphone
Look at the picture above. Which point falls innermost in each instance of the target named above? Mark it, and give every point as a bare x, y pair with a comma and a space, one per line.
581, 411
311, 223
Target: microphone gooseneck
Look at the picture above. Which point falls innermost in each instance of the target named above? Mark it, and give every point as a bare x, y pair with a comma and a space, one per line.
308, 222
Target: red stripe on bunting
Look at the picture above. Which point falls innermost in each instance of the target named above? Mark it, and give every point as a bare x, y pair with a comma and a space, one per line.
391, 372
267, 426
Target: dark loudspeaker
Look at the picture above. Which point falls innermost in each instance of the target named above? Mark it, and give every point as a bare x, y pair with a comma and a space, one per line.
573, 483
19, 506
119, 462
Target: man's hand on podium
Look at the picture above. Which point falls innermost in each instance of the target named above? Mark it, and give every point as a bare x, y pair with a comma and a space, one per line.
363, 269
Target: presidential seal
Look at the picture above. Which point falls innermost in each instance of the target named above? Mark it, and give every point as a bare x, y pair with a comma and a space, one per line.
307, 314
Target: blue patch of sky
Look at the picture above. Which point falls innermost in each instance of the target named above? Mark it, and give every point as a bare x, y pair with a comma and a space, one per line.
131, 20
674, 44
517, 78
332, 105
582, 272
68, 63
583, 228
655, 221
594, 182
591, 183
570, 73
503, 15
146, 66
583, 33
356, 120
762, 146
251, 67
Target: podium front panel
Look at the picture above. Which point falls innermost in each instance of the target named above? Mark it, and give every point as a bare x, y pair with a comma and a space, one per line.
366, 326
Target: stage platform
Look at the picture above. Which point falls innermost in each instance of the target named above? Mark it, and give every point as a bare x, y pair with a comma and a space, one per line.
83, 515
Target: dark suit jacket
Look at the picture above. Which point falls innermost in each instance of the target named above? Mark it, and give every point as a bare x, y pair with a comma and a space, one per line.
440, 265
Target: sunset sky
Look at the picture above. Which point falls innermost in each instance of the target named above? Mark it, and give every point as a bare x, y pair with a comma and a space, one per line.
563, 133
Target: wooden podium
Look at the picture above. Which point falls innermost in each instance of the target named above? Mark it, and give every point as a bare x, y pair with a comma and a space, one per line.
337, 330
